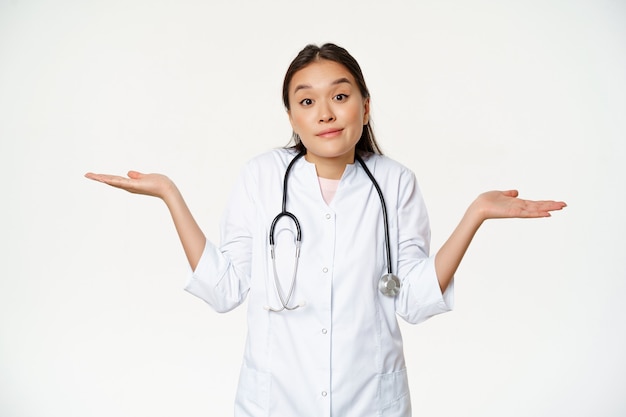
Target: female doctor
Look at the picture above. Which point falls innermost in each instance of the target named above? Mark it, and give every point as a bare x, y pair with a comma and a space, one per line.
329, 240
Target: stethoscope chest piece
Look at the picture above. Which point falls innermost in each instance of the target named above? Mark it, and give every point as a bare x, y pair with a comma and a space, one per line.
389, 285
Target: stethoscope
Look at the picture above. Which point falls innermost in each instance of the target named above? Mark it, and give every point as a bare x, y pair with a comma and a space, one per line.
388, 285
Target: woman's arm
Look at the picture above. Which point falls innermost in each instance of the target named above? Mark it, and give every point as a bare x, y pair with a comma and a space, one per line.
160, 186
489, 205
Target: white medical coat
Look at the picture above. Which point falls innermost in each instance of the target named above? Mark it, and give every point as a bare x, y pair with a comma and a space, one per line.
341, 354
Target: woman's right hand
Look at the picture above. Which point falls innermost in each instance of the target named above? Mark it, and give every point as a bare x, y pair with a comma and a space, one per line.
160, 186
155, 185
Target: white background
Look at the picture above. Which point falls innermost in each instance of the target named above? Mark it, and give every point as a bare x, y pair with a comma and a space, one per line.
470, 95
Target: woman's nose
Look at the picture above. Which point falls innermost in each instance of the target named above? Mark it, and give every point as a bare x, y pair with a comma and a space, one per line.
326, 115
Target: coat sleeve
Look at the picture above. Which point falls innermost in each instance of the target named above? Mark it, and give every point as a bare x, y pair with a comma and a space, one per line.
222, 276
420, 296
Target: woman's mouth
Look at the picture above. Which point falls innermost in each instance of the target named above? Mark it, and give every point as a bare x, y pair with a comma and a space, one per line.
329, 133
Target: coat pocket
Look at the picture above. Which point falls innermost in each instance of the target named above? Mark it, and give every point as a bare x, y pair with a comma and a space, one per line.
393, 395
253, 392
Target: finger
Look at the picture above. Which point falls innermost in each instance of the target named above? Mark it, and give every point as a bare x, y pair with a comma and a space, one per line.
547, 205
540, 208
113, 180
134, 175
510, 193
100, 177
119, 182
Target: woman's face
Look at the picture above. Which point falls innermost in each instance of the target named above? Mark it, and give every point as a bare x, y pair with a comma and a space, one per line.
328, 112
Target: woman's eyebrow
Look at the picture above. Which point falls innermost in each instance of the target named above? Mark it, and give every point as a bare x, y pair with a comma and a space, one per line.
341, 81
336, 82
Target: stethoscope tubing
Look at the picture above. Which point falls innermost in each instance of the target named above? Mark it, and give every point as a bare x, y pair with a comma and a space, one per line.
284, 211
389, 283
384, 209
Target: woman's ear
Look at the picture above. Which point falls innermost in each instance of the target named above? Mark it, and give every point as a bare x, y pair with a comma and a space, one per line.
293, 126
366, 111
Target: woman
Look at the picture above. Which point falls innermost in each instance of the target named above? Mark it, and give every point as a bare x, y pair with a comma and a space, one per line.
323, 338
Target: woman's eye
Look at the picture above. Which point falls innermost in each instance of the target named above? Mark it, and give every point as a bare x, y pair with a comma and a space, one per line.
341, 97
306, 102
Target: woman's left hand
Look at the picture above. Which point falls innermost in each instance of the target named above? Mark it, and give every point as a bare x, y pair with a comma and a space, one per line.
505, 204
489, 205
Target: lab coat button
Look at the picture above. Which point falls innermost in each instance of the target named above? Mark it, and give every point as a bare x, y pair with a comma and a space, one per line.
324, 331
328, 216
324, 393
324, 270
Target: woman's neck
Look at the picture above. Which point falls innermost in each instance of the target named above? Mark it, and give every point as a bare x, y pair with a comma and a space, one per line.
330, 168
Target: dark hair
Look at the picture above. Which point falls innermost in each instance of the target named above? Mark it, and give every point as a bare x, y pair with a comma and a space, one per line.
330, 52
